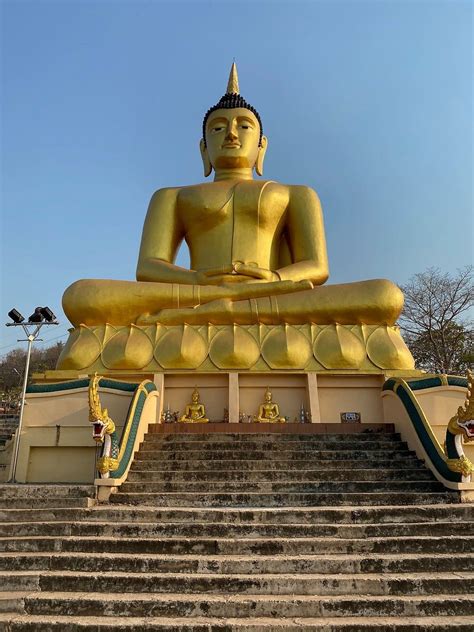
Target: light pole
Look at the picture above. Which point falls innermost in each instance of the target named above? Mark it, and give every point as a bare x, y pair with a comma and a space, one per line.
41, 316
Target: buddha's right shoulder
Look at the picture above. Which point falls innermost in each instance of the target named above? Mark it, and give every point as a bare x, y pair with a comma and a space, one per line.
166, 192
169, 193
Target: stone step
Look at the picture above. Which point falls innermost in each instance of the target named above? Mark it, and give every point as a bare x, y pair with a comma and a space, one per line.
221, 529
277, 515
147, 451
52, 503
413, 474
237, 564
230, 605
264, 584
43, 623
154, 462
281, 499
346, 445
287, 487
235, 437
16, 491
405, 544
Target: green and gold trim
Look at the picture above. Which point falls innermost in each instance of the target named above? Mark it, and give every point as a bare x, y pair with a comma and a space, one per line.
405, 392
130, 429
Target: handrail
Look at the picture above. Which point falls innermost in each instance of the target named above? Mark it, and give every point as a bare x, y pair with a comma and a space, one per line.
116, 452
405, 391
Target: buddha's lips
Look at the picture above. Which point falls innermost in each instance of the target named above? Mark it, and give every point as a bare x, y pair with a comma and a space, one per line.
231, 146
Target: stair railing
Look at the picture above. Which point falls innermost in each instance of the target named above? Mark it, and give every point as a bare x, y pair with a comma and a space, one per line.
449, 463
116, 455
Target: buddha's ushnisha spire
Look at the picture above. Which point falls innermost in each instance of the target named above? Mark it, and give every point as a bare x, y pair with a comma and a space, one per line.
233, 83
232, 99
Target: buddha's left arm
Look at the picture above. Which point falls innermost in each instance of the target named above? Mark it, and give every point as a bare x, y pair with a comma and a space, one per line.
305, 232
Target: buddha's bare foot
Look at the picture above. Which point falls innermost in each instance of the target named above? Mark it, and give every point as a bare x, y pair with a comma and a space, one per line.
146, 319
218, 312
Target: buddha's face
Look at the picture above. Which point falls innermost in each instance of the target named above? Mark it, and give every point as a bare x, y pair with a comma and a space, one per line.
195, 398
232, 138
268, 397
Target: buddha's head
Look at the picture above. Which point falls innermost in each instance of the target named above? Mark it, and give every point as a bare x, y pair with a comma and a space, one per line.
268, 396
195, 396
232, 134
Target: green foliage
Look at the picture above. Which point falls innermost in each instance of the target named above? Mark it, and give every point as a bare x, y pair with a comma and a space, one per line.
435, 321
12, 368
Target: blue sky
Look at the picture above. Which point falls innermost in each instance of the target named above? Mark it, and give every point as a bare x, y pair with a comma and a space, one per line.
370, 103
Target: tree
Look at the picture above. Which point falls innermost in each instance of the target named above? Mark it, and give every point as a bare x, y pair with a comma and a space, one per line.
436, 322
12, 368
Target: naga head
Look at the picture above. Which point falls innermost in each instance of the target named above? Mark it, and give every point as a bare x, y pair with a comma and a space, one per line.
463, 421
102, 424
98, 430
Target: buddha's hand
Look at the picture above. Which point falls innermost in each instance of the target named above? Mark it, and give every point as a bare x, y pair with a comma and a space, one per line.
254, 272
213, 275
239, 271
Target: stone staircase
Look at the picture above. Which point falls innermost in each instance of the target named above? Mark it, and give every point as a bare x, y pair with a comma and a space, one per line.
262, 532
8, 426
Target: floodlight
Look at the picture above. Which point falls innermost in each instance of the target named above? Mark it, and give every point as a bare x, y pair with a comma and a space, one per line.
41, 316
15, 315
48, 314
37, 317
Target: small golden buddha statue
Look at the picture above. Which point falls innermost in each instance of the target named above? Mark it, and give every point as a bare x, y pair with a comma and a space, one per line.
257, 248
269, 411
195, 412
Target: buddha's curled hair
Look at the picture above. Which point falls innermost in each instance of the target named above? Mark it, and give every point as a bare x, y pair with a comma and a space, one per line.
228, 102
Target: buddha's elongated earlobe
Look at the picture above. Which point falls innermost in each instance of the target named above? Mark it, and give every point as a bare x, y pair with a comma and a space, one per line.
206, 163
261, 156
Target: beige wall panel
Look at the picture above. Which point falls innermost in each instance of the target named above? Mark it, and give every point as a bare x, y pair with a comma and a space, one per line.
333, 402
71, 408
440, 404
61, 465
362, 399
350, 381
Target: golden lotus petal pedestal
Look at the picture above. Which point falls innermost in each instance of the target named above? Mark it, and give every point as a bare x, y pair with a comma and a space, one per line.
259, 348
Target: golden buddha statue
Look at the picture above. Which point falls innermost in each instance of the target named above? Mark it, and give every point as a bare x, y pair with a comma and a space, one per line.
269, 411
257, 251
195, 412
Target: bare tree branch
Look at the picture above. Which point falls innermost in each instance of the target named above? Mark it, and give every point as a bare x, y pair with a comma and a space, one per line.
436, 321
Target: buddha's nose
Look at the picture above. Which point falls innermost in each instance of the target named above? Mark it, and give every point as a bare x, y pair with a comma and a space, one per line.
232, 131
